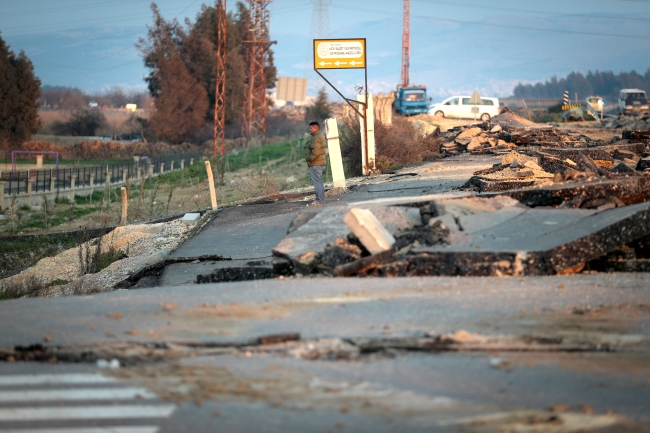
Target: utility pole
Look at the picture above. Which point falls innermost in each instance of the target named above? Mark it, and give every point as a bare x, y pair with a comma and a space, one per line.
320, 20
220, 88
406, 43
258, 44
320, 29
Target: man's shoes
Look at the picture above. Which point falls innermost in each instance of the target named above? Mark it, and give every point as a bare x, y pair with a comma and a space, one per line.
316, 203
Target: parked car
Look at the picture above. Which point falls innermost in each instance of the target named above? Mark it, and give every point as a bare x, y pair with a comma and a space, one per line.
632, 101
459, 107
595, 102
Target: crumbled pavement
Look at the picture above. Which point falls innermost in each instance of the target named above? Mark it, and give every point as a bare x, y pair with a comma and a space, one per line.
310, 349
415, 354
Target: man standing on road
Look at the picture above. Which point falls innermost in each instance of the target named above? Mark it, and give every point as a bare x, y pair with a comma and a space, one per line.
315, 157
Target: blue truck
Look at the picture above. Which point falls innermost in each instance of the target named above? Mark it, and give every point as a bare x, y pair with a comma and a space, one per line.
411, 100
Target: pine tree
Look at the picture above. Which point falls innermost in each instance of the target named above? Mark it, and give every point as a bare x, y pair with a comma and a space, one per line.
320, 110
19, 93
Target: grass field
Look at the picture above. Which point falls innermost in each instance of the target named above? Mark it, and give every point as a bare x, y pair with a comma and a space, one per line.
257, 171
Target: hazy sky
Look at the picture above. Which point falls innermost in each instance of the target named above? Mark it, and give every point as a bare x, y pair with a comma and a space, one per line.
457, 46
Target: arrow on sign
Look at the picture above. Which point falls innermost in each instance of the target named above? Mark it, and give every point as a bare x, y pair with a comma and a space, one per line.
323, 63
356, 63
337, 63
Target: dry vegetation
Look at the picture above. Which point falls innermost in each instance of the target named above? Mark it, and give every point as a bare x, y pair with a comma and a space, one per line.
398, 144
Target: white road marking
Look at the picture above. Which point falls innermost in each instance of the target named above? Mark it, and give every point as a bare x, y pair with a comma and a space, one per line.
54, 379
138, 429
76, 394
86, 412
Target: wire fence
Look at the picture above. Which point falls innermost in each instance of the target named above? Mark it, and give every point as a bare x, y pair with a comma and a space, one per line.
43, 180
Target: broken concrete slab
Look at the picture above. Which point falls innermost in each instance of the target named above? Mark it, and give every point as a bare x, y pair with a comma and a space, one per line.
301, 219
537, 242
470, 133
470, 214
327, 226
190, 218
494, 236
585, 194
365, 226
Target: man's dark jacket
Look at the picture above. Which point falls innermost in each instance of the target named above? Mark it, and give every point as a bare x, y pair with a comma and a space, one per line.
315, 151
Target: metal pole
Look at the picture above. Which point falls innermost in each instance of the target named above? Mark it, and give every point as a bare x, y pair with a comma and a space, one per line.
365, 116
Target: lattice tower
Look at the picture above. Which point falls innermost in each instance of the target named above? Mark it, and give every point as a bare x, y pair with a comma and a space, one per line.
257, 46
220, 87
320, 19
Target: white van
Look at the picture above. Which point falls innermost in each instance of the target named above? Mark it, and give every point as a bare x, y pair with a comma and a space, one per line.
632, 101
459, 107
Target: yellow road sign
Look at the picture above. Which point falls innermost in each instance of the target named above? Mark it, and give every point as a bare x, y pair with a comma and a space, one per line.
339, 53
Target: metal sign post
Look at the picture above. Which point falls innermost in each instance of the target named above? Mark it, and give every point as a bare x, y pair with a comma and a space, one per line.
344, 54
475, 99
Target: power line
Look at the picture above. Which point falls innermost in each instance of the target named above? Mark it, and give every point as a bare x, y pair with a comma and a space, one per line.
347, 7
530, 11
67, 8
100, 20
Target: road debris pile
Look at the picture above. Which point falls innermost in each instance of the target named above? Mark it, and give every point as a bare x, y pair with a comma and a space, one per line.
504, 132
628, 123
507, 131
457, 236
615, 164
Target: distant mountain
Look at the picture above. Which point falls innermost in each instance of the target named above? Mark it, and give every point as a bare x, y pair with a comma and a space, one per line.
606, 84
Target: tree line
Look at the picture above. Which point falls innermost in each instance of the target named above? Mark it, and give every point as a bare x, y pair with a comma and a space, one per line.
72, 98
606, 84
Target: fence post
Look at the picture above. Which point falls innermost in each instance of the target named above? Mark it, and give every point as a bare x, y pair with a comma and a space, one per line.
125, 206
108, 178
73, 181
92, 182
52, 183
162, 168
213, 194
182, 164
29, 191
124, 176
171, 166
191, 161
150, 171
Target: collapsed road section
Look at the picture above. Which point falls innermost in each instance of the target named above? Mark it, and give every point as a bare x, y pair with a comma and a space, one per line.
460, 235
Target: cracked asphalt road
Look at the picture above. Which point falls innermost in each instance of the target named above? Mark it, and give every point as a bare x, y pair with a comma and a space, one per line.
534, 354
